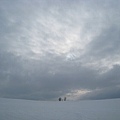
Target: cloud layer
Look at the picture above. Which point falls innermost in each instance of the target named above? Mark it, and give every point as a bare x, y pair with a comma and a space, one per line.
61, 48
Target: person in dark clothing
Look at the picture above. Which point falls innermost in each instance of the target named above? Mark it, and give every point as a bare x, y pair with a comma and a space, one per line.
59, 99
64, 98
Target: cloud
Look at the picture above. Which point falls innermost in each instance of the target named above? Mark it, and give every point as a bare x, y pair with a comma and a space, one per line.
50, 49
99, 94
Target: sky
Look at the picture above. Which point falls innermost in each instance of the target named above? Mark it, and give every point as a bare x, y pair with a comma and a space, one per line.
57, 48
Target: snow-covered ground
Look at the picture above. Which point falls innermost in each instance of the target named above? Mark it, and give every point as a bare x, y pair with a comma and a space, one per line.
53, 110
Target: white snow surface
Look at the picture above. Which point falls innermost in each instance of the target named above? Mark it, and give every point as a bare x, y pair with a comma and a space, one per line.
11, 109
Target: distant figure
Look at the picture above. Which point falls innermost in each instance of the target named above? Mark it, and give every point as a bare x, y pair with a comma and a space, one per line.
64, 98
60, 99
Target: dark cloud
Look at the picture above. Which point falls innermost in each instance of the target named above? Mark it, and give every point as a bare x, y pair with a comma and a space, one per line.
108, 93
108, 86
67, 48
107, 43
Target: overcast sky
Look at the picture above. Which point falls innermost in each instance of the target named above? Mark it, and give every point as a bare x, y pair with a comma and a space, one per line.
56, 48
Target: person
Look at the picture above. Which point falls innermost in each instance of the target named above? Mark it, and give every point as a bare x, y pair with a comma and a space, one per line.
64, 98
59, 99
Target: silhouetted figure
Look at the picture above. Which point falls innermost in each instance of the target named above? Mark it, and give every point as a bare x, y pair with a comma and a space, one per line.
64, 98
60, 99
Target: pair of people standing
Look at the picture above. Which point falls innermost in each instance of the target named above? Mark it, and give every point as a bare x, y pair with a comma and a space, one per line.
60, 99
